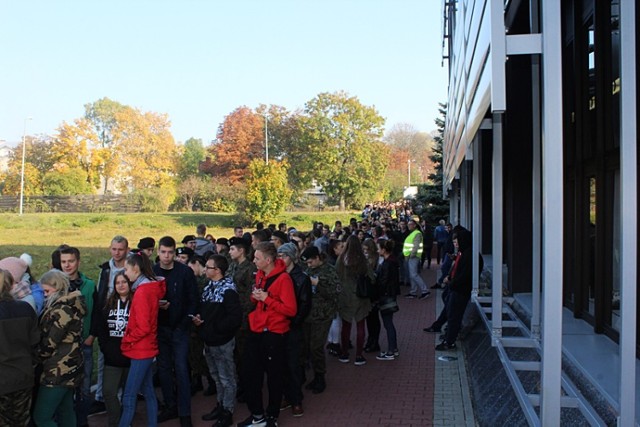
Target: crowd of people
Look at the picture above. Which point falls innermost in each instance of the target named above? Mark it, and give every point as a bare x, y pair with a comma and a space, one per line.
228, 311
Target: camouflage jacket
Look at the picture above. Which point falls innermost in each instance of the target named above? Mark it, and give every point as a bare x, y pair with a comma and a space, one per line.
60, 349
244, 277
325, 298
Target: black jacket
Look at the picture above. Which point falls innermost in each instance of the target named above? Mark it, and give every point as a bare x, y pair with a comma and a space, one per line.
19, 334
182, 294
221, 312
461, 281
388, 277
302, 289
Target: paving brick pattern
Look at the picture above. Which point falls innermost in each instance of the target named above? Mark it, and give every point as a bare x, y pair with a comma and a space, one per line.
381, 393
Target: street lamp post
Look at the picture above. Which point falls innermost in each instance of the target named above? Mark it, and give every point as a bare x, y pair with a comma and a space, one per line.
408, 173
266, 139
24, 146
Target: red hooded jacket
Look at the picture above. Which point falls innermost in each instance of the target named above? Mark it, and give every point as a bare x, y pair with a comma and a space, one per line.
274, 313
140, 339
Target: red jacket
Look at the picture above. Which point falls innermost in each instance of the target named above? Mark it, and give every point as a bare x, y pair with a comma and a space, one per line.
140, 339
274, 313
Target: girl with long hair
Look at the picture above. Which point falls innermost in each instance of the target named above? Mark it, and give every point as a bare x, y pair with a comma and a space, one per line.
112, 323
140, 341
350, 266
373, 318
60, 350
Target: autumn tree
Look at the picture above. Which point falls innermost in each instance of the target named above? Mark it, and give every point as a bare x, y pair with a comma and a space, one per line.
239, 140
146, 148
268, 193
74, 147
38, 161
343, 147
102, 116
66, 182
406, 145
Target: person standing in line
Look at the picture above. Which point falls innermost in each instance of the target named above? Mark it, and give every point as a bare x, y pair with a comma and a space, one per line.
114, 317
440, 234
350, 266
140, 340
243, 273
69, 264
325, 289
19, 333
202, 244
389, 285
275, 301
59, 351
294, 374
119, 248
174, 325
412, 251
219, 319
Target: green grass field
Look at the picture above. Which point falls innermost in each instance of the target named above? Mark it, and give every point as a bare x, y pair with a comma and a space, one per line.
39, 234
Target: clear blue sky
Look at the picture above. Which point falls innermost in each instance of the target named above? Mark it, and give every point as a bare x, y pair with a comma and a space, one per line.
199, 60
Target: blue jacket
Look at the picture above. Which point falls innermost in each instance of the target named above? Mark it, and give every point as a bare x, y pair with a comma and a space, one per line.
182, 294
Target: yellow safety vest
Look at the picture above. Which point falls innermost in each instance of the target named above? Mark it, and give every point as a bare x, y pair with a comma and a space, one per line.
408, 244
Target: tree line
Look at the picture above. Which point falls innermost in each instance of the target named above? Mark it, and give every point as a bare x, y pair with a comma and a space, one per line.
334, 141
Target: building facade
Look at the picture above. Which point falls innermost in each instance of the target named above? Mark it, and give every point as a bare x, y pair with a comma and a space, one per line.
540, 162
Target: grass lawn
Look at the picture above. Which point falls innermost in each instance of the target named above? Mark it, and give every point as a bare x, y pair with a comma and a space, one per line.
39, 234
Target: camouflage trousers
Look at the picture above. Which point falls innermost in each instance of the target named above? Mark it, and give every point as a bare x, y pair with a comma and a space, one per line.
315, 337
15, 407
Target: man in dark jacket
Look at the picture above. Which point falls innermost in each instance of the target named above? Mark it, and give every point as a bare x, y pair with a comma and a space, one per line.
460, 284
173, 332
219, 319
294, 375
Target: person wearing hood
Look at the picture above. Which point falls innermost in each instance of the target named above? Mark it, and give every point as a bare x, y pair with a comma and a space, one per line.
459, 283
140, 340
59, 351
275, 304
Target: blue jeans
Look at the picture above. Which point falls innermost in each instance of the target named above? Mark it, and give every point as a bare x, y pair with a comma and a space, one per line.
174, 359
387, 321
140, 379
223, 371
83, 393
414, 276
99, 397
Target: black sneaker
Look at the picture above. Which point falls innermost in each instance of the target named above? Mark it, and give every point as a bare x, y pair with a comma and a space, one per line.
436, 286
360, 361
410, 296
167, 414
372, 348
251, 421
214, 414
97, 407
444, 346
431, 329
425, 295
225, 420
272, 422
386, 356
344, 358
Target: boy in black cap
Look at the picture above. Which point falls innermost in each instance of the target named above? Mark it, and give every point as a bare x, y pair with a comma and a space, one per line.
183, 254
190, 241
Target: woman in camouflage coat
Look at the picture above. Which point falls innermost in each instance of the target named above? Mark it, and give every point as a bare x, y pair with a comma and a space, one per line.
59, 351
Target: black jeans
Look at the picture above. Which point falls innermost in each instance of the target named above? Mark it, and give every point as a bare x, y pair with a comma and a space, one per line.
264, 352
294, 371
373, 327
456, 306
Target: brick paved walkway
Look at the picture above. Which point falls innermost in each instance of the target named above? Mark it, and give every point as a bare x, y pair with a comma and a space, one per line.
381, 393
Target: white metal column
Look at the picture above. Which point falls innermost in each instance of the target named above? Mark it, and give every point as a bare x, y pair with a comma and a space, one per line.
552, 213
497, 218
629, 212
536, 181
476, 220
